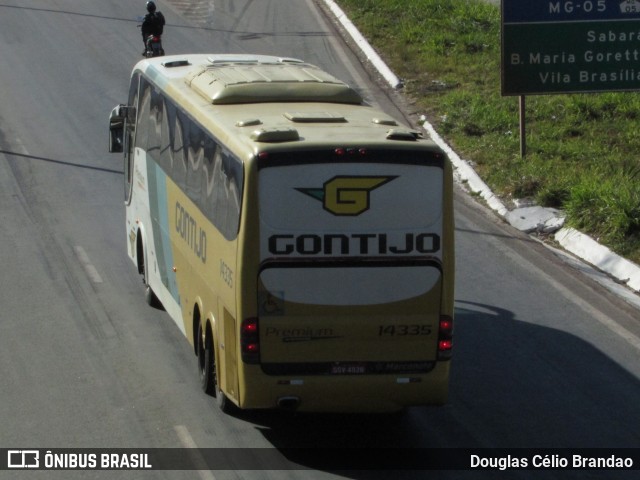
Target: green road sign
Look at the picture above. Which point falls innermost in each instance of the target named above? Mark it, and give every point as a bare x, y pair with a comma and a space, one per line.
562, 48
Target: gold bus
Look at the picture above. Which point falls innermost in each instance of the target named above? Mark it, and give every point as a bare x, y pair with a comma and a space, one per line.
301, 239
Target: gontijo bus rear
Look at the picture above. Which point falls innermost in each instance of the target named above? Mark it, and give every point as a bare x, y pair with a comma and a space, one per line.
301, 239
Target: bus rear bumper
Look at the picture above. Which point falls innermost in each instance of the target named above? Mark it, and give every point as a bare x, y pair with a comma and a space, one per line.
348, 393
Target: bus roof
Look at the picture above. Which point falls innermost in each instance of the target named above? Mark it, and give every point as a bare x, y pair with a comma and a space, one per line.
299, 102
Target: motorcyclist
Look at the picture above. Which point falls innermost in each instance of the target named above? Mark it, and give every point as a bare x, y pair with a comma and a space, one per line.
153, 24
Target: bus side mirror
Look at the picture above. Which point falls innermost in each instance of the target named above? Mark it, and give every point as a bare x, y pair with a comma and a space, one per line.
116, 129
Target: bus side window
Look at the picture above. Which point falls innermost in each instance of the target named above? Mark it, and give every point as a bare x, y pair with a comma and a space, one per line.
144, 113
195, 163
226, 193
156, 117
129, 135
208, 188
232, 182
179, 167
166, 137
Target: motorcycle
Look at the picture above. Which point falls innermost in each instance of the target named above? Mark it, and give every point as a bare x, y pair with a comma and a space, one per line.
154, 47
153, 44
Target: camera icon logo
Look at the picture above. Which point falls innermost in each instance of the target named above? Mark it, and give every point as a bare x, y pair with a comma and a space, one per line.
23, 459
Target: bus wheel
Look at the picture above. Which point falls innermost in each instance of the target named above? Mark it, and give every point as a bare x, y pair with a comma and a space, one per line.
223, 402
151, 298
208, 372
206, 363
149, 295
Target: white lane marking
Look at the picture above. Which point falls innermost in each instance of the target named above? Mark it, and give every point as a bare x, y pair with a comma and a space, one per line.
187, 441
89, 269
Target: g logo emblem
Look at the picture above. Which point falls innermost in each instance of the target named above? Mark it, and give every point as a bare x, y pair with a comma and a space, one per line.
348, 196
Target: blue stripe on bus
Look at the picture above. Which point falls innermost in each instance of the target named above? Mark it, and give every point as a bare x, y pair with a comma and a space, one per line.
158, 205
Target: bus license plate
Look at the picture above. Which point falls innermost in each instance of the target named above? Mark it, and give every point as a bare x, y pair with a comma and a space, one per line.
348, 369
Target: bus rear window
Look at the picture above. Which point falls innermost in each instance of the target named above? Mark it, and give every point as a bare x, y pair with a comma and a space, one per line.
350, 210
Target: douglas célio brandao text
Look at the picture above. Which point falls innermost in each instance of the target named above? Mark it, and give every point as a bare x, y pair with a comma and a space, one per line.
549, 461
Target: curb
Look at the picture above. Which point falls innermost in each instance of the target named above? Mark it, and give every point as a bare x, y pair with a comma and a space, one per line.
573, 241
588, 249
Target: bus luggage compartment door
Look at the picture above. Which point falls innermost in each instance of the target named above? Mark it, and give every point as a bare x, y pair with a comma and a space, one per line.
334, 320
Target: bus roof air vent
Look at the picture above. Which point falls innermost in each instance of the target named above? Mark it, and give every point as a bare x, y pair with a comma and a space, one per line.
403, 134
249, 122
385, 121
314, 117
176, 63
227, 59
274, 135
290, 60
233, 82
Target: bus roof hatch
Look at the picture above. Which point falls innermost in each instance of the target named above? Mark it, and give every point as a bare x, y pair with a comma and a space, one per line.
254, 82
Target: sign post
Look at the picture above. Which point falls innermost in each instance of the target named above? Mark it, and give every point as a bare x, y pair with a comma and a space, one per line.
523, 136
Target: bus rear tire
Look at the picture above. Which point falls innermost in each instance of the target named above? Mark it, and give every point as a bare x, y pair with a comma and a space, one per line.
206, 363
223, 402
208, 372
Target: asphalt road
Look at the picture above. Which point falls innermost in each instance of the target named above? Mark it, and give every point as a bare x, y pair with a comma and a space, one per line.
544, 358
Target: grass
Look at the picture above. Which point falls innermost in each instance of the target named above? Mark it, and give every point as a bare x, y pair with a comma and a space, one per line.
582, 149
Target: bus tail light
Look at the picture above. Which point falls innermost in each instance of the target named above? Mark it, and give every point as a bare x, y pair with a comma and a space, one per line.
250, 341
445, 337
342, 151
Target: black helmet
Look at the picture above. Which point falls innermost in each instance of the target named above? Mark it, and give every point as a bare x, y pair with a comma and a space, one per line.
151, 7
